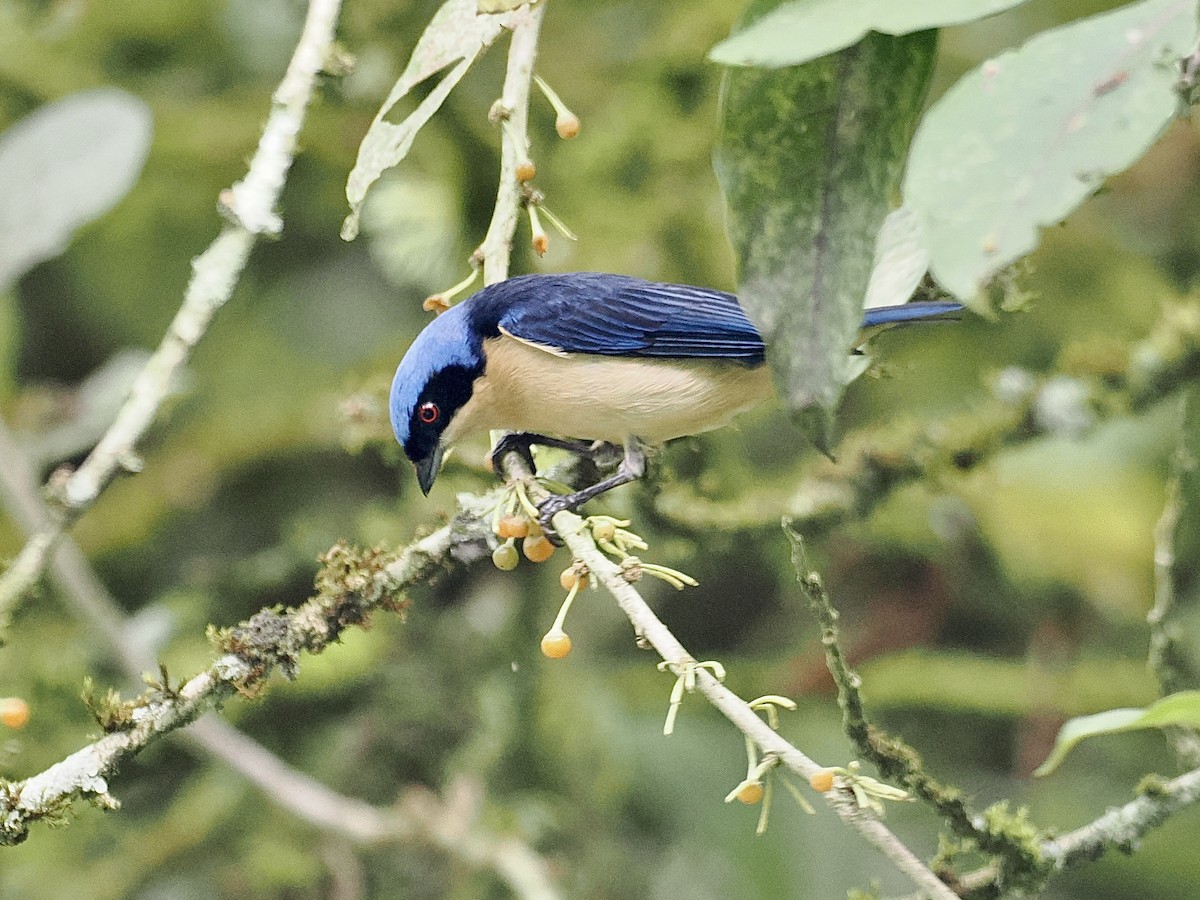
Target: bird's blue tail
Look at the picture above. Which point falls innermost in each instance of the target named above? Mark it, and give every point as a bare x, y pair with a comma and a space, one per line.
909, 312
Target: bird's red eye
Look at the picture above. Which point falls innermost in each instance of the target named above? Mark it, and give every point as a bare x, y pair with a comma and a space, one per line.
428, 413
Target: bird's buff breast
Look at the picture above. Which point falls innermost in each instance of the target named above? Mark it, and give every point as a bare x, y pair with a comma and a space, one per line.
529, 388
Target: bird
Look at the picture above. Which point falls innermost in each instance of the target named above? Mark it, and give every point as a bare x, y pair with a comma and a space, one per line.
584, 359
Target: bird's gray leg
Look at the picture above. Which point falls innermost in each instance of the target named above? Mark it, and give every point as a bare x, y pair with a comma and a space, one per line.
521, 441
632, 467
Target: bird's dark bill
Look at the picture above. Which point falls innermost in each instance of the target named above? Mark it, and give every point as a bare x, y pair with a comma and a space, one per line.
427, 469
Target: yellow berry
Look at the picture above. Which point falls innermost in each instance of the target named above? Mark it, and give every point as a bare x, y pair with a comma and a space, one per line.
570, 577
14, 712
604, 531
751, 793
822, 780
513, 527
505, 557
556, 644
537, 549
526, 171
567, 125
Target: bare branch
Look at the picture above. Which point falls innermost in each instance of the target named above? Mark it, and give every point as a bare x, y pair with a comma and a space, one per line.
251, 206
451, 825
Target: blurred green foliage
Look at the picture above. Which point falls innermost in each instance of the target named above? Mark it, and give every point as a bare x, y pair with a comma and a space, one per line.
1021, 589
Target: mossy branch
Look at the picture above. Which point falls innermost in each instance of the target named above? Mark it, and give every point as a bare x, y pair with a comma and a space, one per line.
250, 207
993, 831
351, 586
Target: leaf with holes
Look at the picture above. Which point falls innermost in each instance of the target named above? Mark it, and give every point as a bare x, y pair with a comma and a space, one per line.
457, 35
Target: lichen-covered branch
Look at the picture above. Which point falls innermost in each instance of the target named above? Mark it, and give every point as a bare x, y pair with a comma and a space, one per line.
1025, 856
1122, 827
250, 205
350, 586
450, 825
996, 831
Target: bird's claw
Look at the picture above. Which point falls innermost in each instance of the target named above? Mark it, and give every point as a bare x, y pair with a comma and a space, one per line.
547, 510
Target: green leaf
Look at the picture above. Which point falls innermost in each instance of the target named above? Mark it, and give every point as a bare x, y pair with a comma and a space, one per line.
1025, 138
809, 158
1177, 709
456, 35
799, 31
63, 166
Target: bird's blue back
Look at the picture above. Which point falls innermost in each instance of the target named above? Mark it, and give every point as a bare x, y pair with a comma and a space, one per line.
615, 315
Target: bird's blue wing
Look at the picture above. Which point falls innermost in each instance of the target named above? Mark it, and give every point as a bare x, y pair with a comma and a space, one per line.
905, 313
614, 315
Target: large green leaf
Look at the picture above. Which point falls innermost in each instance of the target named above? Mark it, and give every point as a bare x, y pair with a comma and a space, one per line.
809, 159
798, 31
1025, 138
63, 166
1177, 709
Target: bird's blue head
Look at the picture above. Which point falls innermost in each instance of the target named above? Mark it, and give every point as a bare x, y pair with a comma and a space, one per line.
433, 382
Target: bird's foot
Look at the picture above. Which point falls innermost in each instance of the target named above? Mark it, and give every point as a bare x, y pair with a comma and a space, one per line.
548, 509
512, 443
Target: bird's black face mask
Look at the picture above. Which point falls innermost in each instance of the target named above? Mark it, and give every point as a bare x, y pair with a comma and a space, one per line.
444, 394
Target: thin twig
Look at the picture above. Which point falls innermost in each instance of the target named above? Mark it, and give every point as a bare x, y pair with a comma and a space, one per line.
1170, 659
512, 110
250, 205
452, 825
650, 628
